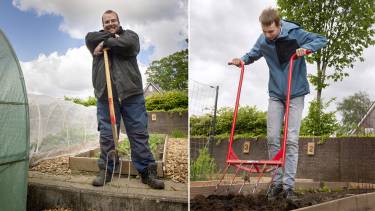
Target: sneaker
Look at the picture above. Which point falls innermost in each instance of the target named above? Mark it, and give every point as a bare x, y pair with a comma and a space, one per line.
99, 180
290, 196
149, 177
274, 191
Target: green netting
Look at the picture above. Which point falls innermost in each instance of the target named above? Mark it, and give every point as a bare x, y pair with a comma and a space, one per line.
14, 130
13, 183
60, 128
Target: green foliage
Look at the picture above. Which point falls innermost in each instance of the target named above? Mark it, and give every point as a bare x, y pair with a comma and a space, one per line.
171, 72
318, 122
167, 101
178, 134
90, 101
155, 140
204, 167
348, 26
200, 125
249, 120
353, 108
124, 147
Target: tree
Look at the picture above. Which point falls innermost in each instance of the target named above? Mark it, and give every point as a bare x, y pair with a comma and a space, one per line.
170, 72
318, 122
348, 26
353, 108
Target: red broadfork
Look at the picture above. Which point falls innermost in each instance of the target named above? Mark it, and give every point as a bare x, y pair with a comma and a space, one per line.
258, 166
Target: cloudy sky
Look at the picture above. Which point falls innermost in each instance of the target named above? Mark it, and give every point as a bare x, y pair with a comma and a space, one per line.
48, 37
222, 30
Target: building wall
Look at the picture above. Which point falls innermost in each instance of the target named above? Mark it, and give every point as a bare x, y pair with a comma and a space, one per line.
338, 159
368, 125
166, 122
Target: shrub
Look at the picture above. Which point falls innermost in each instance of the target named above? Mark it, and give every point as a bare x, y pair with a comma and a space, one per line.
167, 101
204, 167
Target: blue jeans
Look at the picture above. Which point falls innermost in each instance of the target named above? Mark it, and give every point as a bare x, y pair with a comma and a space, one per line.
133, 112
275, 117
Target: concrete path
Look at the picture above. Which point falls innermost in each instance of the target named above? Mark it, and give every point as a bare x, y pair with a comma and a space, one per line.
76, 192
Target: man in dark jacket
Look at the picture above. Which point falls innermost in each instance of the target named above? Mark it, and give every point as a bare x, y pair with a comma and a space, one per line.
280, 39
128, 98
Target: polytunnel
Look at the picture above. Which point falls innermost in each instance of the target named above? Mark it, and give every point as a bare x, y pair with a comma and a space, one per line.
60, 128
14, 130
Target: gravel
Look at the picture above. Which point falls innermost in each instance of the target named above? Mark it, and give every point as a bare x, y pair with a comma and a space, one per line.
177, 160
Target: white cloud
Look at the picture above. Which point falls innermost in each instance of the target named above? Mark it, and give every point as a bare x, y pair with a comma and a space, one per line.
59, 75
222, 30
162, 24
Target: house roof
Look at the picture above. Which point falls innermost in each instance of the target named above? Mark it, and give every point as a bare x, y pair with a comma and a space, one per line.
156, 86
363, 118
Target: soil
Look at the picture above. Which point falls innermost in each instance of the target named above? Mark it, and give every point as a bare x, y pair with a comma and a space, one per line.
259, 201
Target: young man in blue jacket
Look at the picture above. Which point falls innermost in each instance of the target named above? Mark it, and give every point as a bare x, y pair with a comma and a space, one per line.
128, 98
280, 39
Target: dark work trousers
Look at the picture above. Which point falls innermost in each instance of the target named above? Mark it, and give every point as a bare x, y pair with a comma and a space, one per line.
133, 112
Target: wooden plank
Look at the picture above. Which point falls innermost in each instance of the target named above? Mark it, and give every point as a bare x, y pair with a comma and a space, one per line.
90, 164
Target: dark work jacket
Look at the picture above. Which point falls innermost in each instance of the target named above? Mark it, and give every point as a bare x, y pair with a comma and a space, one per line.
125, 75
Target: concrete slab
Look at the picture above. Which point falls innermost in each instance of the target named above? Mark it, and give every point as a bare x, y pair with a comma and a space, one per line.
77, 193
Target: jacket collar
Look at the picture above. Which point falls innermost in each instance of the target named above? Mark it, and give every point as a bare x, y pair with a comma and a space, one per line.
120, 30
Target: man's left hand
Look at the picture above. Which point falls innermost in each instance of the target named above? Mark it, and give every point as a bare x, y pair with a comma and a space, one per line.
301, 52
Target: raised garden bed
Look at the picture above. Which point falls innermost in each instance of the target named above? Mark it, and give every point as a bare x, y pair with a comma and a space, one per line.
307, 197
87, 161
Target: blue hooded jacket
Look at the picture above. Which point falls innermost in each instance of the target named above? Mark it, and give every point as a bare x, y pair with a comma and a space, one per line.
277, 54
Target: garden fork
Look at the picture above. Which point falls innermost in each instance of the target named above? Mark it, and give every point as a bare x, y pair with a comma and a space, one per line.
112, 153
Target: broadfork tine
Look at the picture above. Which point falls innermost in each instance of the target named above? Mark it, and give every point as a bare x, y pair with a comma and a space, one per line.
260, 176
247, 177
234, 177
222, 177
273, 176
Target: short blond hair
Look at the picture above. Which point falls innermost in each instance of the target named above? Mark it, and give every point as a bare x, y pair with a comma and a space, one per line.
269, 16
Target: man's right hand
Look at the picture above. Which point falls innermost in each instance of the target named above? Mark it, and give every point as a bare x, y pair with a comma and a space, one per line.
99, 49
236, 62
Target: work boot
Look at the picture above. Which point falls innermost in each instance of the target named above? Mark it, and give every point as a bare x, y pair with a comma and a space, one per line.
99, 179
290, 196
150, 177
274, 191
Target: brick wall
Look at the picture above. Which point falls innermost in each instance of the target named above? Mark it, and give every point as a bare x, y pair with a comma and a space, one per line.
338, 159
166, 122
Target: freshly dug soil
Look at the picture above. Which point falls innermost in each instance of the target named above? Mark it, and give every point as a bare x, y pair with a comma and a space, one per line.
260, 202
58, 209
